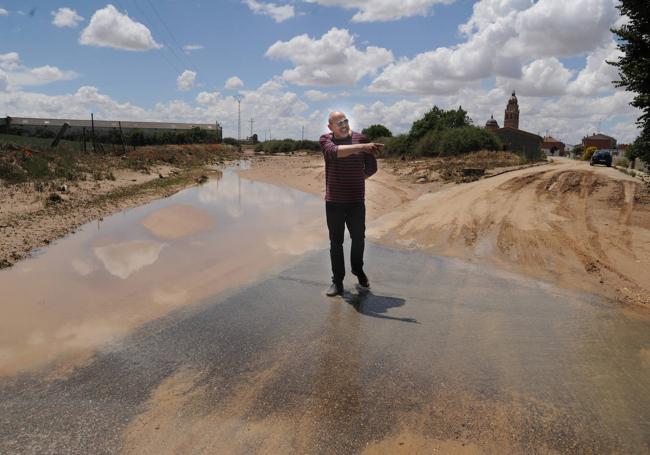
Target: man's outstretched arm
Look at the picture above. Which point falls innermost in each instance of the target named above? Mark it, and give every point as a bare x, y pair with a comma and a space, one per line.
333, 151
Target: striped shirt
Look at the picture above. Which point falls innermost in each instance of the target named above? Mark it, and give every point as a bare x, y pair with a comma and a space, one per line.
345, 177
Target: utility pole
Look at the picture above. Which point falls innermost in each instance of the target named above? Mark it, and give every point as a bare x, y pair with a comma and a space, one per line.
239, 98
92, 130
251, 121
302, 136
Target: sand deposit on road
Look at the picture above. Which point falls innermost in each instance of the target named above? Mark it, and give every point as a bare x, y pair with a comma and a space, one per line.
581, 227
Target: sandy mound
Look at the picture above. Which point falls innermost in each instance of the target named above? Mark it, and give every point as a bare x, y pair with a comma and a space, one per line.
569, 223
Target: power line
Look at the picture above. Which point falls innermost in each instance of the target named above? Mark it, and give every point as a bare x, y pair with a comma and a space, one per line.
176, 69
171, 49
162, 21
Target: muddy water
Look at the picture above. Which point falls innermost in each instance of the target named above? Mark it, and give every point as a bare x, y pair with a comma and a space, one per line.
113, 275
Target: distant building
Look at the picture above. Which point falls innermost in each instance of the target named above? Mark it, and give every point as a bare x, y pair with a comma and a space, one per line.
552, 146
511, 119
514, 139
492, 124
600, 141
36, 125
520, 141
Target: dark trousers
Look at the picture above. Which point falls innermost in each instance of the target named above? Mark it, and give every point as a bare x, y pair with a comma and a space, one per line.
339, 215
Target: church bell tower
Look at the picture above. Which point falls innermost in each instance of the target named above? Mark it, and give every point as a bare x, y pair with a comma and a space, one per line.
512, 113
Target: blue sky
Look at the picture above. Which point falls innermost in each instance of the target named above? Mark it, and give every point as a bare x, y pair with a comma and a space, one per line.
294, 61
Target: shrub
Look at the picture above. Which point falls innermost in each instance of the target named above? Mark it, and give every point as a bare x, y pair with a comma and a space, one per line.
376, 131
622, 162
454, 141
428, 144
398, 146
286, 146
307, 145
230, 141
36, 167
586, 156
578, 150
11, 173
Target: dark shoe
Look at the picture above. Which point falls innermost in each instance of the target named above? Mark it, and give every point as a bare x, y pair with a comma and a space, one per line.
335, 289
363, 279
364, 284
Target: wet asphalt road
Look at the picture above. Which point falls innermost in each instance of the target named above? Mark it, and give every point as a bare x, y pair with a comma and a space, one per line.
442, 351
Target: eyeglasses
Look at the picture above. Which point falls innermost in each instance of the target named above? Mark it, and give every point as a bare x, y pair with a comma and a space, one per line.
342, 123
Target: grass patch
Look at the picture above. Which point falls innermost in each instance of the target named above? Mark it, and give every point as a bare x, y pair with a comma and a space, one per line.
152, 186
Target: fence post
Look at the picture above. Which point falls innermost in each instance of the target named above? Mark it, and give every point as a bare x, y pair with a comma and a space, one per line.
60, 134
92, 131
122, 136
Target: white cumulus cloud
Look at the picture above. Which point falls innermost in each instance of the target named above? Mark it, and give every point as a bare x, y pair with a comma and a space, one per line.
279, 13
4, 12
66, 17
597, 75
186, 80
110, 28
384, 10
9, 61
331, 60
41, 75
234, 83
18, 75
316, 95
502, 38
542, 77
4, 81
207, 97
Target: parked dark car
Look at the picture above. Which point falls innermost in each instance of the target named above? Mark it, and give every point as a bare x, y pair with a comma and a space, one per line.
601, 157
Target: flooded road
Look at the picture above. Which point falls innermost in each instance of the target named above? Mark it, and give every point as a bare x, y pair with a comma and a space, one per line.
114, 275
442, 357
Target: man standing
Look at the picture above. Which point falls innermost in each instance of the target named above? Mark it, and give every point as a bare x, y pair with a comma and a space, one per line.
349, 160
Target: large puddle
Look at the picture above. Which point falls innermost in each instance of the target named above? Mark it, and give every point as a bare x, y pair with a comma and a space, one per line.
113, 275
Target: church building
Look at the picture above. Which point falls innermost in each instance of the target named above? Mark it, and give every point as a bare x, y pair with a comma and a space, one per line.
514, 139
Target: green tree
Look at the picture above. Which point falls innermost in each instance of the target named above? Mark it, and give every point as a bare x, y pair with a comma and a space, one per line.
634, 66
438, 119
375, 131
